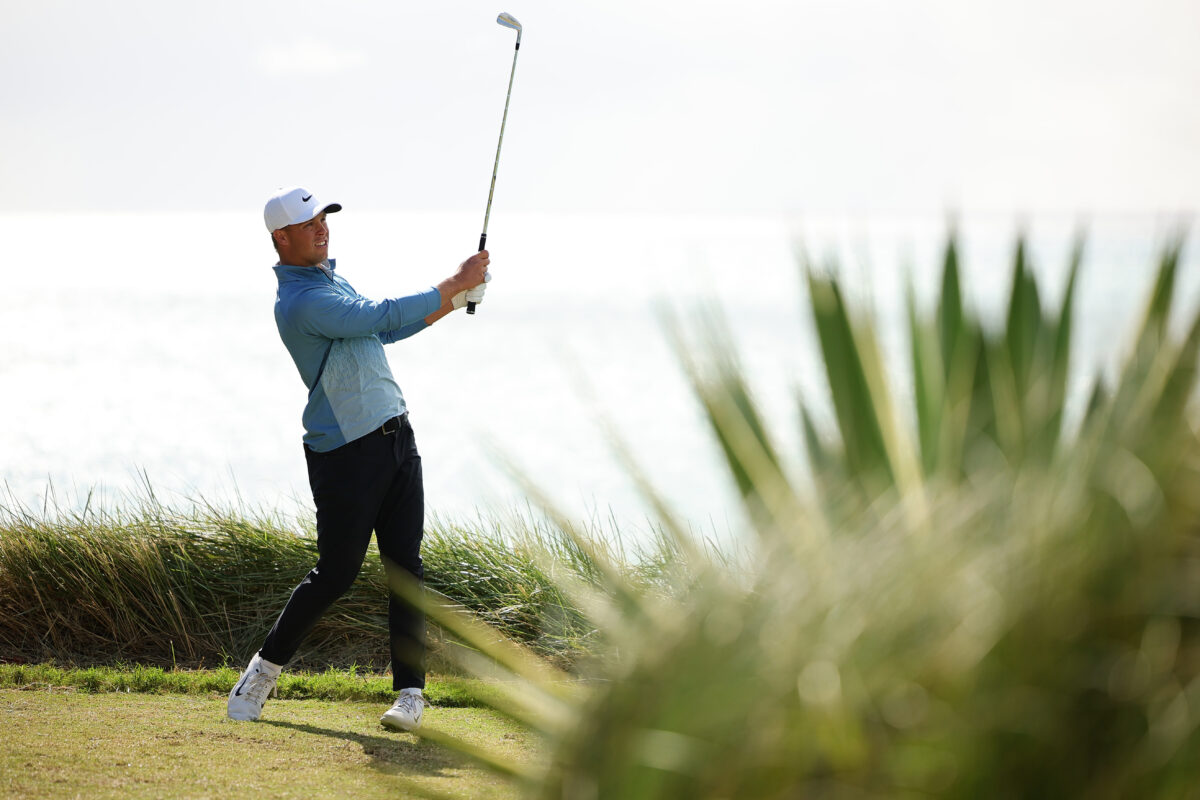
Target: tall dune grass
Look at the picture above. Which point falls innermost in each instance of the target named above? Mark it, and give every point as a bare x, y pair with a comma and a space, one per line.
974, 599
201, 587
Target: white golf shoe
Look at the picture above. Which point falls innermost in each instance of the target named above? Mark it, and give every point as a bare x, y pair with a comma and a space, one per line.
405, 714
251, 691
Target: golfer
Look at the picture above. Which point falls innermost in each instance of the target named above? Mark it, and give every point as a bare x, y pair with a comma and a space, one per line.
363, 464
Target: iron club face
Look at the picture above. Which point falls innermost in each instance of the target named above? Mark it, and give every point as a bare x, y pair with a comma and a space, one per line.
509, 21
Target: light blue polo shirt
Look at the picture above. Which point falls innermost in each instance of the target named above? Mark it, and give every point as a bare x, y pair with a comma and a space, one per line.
336, 337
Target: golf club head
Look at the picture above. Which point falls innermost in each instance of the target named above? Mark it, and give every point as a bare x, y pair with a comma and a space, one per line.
509, 21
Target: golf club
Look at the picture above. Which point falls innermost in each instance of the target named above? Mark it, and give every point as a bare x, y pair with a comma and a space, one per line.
508, 21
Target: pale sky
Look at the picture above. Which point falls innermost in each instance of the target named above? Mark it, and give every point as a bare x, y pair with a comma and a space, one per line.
760, 106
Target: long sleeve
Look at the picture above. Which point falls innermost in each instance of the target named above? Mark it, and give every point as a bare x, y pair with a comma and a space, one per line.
325, 311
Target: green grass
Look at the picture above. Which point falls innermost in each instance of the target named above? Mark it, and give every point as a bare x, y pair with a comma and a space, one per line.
68, 744
350, 685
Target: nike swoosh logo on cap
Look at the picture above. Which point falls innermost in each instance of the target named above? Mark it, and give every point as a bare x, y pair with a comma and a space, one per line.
305, 199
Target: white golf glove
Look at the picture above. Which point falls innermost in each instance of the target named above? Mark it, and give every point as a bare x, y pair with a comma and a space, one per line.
476, 295
459, 300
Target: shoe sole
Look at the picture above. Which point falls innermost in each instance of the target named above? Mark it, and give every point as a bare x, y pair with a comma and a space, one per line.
242, 719
397, 725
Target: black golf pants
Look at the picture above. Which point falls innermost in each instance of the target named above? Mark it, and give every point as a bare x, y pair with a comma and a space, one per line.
373, 483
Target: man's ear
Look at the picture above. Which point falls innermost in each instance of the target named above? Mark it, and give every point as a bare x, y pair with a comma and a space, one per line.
280, 237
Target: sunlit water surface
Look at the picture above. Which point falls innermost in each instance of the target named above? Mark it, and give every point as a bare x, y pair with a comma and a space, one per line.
142, 348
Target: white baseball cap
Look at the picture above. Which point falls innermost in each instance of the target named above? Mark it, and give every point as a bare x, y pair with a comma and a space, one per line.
292, 205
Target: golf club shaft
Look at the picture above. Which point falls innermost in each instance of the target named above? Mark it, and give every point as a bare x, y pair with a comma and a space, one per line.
496, 166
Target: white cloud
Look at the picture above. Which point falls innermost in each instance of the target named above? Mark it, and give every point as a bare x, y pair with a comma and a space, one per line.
308, 57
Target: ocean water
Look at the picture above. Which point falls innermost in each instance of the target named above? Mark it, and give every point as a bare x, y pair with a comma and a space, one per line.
141, 349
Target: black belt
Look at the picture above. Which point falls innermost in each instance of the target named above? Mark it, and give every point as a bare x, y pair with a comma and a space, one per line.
394, 424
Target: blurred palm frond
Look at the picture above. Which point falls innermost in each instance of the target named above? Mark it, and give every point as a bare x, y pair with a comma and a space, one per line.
981, 598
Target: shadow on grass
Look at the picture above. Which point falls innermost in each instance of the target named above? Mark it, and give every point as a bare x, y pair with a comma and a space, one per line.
396, 754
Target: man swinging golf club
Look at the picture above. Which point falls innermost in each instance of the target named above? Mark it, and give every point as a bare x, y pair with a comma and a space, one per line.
362, 459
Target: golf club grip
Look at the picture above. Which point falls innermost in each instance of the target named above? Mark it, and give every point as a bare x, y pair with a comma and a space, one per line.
482, 244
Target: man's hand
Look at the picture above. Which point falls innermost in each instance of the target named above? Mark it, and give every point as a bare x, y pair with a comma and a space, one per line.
469, 275
472, 274
476, 295
472, 271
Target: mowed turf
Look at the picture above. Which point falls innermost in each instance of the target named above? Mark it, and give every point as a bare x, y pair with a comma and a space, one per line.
66, 744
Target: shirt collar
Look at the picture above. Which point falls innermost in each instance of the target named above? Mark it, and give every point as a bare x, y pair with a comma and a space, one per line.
328, 266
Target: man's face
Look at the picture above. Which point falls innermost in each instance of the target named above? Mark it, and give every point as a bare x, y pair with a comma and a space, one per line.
305, 244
